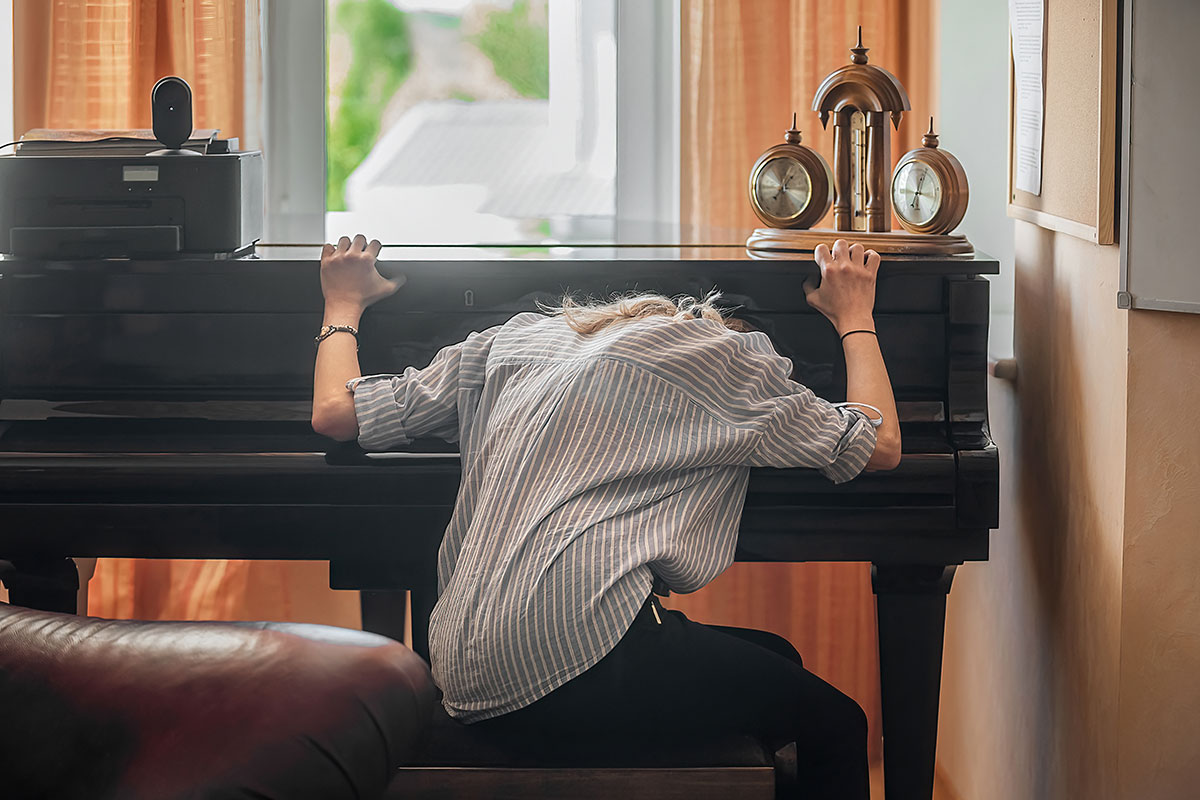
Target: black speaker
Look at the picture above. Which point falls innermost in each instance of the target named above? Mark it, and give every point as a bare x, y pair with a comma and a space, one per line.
171, 105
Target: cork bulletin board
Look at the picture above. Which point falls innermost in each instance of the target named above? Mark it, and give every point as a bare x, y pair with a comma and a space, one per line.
1081, 67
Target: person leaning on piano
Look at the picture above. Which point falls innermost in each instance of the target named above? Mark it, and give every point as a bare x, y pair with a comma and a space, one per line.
605, 456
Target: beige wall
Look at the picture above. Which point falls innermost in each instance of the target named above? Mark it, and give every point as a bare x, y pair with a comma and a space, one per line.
1160, 608
1032, 654
1072, 662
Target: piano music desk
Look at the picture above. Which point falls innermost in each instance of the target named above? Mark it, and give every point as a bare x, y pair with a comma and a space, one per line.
159, 409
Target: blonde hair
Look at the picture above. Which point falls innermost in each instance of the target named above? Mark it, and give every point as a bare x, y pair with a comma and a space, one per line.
595, 315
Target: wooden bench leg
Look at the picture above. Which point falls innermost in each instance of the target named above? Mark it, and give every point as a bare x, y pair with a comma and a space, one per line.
911, 609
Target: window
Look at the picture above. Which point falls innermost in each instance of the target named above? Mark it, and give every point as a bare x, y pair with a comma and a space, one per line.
461, 121
475, 119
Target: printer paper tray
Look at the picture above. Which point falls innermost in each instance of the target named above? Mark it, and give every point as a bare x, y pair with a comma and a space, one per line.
121, 241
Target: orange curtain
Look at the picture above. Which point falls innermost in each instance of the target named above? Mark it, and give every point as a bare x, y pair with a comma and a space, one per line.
92, 63
747, 65
290, 591
83, 64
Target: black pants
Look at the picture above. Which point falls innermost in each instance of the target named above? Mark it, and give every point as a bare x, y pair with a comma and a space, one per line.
678, 677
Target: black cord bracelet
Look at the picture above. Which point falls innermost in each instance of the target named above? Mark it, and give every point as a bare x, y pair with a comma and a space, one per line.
330, 330
864, 330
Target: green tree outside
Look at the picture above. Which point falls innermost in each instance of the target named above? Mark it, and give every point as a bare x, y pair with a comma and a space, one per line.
382, 59
382, 56
519, 50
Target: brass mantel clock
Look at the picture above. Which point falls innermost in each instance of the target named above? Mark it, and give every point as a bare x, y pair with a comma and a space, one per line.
927, 190
791, 186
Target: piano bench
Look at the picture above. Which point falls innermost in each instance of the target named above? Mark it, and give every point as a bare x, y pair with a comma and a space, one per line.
462, 762
97, 708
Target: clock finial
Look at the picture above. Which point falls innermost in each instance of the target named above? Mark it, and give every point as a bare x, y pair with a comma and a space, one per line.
858, 52
792, 136
930, 139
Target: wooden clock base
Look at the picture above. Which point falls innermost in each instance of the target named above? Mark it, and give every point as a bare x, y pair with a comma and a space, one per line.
891, 243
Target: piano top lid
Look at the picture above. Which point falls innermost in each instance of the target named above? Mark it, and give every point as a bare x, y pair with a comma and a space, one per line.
620, 240
627, 242
977, 264
485, 258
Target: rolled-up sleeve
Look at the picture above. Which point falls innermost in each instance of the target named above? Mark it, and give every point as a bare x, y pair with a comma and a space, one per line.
793, 427
392, 410
803, 430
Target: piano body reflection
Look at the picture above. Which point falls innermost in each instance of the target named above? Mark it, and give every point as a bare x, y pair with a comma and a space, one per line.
159, 409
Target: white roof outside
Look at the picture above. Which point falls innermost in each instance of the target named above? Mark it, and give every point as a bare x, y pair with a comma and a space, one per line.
444, 160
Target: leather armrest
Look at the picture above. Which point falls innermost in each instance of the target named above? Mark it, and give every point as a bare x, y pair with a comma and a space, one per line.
97, 708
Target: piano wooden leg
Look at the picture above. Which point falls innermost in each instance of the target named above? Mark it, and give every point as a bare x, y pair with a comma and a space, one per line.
384, 612
382, 584
911, 609
423, 600
47, 584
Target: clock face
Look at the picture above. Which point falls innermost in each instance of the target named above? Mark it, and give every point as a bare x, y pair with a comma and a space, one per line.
783, 187
916, 193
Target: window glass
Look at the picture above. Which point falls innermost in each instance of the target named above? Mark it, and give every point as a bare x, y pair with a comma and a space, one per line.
470, 120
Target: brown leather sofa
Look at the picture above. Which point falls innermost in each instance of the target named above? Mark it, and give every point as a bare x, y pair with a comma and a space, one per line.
162, 710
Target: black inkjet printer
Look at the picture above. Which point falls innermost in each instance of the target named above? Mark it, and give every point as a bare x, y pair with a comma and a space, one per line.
104, 199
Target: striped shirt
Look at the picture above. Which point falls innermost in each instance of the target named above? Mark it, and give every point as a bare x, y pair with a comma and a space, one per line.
591, 466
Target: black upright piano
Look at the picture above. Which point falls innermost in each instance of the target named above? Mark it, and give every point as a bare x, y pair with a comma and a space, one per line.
159, 409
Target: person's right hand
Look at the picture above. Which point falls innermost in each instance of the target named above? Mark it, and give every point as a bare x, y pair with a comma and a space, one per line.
349, 279
846, 291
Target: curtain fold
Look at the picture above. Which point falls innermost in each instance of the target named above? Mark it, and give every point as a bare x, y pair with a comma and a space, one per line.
746, 66
92, 63
84, 64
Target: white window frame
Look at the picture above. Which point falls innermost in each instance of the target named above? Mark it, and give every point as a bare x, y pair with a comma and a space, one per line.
8, 79
647, 151
293, 121
648, 110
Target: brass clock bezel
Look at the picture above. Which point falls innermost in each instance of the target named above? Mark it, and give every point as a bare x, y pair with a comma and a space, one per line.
820, 176
955, 192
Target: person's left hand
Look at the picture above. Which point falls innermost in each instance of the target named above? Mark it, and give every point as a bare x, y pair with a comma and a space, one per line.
349, 278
